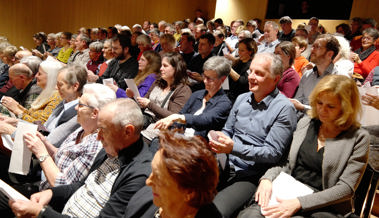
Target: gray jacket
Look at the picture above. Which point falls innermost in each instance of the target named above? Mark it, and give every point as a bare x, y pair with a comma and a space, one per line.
343, 165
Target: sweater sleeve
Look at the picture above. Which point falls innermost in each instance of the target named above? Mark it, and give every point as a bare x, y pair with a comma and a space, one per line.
175, 104
44, 112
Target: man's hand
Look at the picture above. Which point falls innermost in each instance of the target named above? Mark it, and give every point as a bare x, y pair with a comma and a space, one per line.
43, 198
223, 145
23, 208
195, 75
298, 105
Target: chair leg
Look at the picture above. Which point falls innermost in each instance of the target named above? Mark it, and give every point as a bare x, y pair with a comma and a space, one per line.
369, 200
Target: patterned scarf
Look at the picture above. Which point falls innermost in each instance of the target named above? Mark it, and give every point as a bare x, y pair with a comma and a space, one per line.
364, 54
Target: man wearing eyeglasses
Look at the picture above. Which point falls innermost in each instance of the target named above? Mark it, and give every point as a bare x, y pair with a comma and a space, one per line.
324, 50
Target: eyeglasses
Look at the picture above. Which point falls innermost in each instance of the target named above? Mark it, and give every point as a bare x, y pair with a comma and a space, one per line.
85, 105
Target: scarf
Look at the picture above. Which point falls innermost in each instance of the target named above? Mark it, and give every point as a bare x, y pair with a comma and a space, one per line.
364, 54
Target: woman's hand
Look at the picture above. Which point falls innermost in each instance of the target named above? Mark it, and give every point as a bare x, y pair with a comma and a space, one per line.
285, 208
9, 103
371, 100
223, 145
6, 128
91, 77
114, 87
143, 102
23, 208
263, 193
355, 57
35, 144
129, 93
168, 121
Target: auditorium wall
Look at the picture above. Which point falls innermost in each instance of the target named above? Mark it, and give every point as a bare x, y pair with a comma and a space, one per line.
20, 19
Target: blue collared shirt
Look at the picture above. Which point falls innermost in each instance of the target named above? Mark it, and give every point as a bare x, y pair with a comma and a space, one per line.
268, 47
214, 115
261, 131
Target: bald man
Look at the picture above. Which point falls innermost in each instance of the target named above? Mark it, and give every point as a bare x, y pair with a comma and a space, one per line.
21, 77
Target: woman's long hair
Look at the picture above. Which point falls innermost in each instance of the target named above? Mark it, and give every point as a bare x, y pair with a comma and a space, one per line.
51, 67
153, 65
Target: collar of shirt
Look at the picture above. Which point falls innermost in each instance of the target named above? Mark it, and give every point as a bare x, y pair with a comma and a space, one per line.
267, 100
329, 70
273, 43
213, 99
126, 155
70, 104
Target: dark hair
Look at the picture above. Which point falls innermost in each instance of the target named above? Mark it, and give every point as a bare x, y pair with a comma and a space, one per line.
180, 75
210, 37
219, 21
123, 39
345, 27
251, 45
288, 49
190, 37
40, 36
104, 31
332, 43
68, 35
113, 30
191, 164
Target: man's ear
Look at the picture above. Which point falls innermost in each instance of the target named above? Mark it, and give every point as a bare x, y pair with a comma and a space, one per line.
76, 86
126, 50
95, 113
276, 79
129, 130
330, 54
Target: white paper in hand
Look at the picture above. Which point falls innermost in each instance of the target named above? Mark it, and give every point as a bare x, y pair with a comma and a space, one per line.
225, 84
286, 187
132, 86
10, 192
213, 137
108, 81
21, 155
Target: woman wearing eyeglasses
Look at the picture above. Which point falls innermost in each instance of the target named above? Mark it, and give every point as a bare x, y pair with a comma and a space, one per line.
73, 159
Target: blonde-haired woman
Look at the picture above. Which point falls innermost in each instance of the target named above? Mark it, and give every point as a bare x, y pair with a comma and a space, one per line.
328, 153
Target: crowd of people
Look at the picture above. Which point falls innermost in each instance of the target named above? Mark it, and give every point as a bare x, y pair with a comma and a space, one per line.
219, 112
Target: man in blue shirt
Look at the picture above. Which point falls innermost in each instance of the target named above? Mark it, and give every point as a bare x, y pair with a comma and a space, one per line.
256, 136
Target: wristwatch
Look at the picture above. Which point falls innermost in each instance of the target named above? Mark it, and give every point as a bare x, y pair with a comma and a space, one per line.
42, 158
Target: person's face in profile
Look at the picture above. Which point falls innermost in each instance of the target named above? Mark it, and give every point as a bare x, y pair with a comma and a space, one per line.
166, 191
